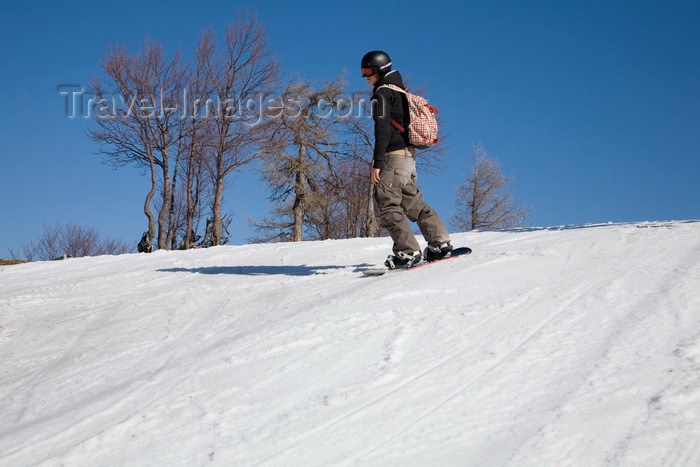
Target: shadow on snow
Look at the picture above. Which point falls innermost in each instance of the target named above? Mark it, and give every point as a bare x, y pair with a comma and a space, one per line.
301, 270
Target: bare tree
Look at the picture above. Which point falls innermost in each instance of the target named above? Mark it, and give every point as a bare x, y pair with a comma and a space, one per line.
196, 149
277, 226
57, 241
136, 121
485, 200
240, 74
46, 247
301, 162
342, 210
78, 242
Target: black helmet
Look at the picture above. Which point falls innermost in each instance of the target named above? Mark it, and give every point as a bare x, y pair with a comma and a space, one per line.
377, 61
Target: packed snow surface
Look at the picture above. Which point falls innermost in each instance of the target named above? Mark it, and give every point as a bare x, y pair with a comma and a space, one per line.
575, 345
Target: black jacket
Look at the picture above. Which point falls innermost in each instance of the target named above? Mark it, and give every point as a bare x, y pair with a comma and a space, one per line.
388, 104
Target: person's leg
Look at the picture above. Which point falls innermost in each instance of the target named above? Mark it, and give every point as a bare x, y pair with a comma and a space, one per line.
389, 196
429, 223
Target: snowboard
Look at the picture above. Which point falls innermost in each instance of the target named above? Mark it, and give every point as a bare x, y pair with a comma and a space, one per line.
462, 251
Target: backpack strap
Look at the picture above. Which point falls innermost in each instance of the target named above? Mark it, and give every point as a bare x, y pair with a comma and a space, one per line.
394, 88
405, 91
397, 126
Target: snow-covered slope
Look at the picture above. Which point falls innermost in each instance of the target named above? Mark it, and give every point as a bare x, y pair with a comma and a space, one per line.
571, 345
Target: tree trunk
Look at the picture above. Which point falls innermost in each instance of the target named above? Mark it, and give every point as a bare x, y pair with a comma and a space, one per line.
165, 208
216, 227
172, 220
190, 203
299, 197
149, 197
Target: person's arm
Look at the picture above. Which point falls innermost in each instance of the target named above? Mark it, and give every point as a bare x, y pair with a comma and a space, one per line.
382, 128
374, 175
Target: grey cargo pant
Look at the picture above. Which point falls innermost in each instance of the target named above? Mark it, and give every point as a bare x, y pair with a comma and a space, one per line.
397, 198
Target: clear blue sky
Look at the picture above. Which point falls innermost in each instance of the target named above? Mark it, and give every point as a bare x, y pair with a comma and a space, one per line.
593, 106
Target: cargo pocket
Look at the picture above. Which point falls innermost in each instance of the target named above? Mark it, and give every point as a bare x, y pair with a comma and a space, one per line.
402, 177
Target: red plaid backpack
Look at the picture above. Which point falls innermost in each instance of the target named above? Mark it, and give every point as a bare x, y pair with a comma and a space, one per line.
422, 129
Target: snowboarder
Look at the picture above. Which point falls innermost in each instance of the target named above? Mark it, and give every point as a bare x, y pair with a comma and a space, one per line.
394, 171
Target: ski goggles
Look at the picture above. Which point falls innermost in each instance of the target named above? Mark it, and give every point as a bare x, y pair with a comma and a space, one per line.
367, 72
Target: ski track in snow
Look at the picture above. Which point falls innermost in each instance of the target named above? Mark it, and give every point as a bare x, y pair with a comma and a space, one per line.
573, 345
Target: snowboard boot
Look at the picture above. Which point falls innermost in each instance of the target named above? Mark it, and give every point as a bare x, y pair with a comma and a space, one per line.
402, 260
436, 252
